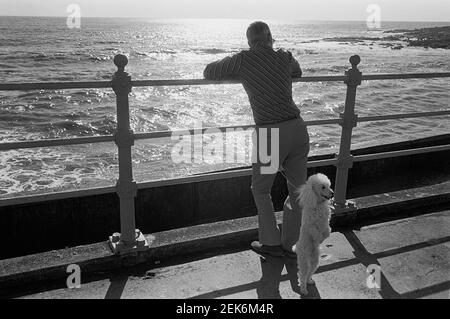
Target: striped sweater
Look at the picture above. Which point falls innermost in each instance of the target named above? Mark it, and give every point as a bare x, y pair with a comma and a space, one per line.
266, 75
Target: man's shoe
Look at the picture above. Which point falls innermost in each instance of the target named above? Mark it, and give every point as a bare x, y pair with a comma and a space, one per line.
275, 251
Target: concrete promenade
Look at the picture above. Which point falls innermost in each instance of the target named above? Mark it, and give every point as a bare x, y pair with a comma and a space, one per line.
413, 253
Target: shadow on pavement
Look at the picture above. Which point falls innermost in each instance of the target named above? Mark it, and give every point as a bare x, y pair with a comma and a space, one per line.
268, 286
115, 289
272, 268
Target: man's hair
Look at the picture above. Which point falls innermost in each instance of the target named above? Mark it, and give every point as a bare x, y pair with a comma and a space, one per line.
258, 34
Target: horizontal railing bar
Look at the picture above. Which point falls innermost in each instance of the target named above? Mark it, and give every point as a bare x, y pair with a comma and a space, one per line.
161, 134
324, 78
29, 199
322, 122
54, 86
320, 163
196, 178
56, 142
139, 83
414, 151
402, 116
248, 172
402, 76
219, 175
185, 82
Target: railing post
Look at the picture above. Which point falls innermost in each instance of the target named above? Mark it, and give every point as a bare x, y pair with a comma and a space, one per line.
348, 122
130, 238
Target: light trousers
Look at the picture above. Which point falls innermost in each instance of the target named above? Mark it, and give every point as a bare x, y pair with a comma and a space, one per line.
291, 158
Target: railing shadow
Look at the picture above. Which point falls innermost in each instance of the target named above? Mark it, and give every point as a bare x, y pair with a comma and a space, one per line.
271, 268
427, 291
367, 259
116, 288
387, 291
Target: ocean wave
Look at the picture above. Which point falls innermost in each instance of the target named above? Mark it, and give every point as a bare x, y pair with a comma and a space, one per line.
7, 66
100, 58
139, 54
10, 71
70, 128
326, 69
11, 61
104, 126
47, 57
166, 51
27, 57
352, 39
297, 51
110, 42
33, 171
11, 42
310, 41
57, 57
308, 52
212, 51
153, 53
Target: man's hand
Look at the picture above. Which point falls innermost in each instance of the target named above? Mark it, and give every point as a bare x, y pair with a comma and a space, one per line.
296, 71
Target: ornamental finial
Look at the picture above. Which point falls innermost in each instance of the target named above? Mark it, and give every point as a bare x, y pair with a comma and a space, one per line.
120, 61
355, 60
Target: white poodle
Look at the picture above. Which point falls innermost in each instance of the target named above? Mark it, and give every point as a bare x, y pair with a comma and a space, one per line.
315, 198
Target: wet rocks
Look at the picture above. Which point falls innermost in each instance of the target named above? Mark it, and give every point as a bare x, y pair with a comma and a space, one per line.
436, 37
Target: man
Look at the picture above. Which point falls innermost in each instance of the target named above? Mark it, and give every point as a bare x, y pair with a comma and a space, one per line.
266, 75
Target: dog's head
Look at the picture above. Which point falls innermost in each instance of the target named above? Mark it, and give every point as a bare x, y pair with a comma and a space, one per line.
316, 191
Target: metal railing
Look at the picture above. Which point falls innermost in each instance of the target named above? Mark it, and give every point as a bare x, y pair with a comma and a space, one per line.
130, 239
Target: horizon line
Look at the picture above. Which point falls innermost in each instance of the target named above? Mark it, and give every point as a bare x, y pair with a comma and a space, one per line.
204, 18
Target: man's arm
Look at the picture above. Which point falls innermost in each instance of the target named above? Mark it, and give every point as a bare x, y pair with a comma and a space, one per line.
296, 71
227, 68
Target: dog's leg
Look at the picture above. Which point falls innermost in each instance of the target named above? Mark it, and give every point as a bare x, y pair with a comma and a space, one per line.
303, 266
314, 263
317, 236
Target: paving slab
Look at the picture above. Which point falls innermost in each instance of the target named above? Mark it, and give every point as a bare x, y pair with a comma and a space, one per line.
413, 254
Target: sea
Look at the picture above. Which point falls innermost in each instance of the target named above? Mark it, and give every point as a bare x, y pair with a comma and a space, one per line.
41, 49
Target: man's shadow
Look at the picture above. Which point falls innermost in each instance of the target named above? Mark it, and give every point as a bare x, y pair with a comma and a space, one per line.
269, 284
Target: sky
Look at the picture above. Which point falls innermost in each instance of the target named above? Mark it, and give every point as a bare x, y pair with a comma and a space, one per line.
391, 10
